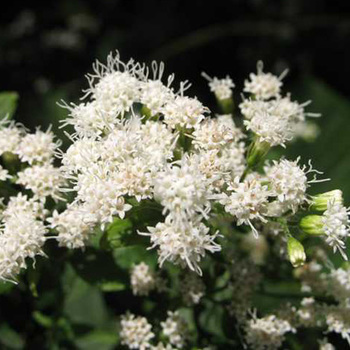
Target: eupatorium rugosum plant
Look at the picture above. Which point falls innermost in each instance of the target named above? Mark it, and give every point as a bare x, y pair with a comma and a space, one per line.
152, 166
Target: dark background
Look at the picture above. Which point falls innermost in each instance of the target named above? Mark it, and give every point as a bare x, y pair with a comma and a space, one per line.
47, 47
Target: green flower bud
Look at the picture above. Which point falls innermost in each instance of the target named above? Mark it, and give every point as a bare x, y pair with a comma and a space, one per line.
226, 105
296, 252
257, 152
320, 201
312, 225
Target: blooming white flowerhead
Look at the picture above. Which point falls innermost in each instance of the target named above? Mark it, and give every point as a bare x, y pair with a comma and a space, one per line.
21, 203
182, 244
10, 136
270, 127
222, 88
338, 320
88, 119
264, 85
74, 227
37, 148
339, 285
288, 182
249, 107
155, 95
267, 332
214, 134
136, 332
184, 112
175, 329
182, 189
336, 226
143, 279
326, 345
4, 174
246, 201
21, 237
43, 180
80, 155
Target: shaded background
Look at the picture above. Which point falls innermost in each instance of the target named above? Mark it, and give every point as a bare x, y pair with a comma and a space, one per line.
46, 48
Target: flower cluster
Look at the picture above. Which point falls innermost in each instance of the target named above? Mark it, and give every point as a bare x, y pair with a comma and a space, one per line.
29, 158
136, 332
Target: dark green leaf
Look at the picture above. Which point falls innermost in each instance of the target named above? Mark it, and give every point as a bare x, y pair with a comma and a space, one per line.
8, 104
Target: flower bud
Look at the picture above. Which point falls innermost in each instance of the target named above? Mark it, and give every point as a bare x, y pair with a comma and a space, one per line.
312, 224
257, 152
320, 201
296, 252
226, 104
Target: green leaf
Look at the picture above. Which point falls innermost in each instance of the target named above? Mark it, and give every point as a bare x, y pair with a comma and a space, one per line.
43, 320
5, 287
98, 268
330, 152
84, 304
115, 233
10, 338
98, 339
8, 104
126, 257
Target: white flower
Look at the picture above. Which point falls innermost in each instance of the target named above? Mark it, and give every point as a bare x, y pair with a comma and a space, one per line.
175, 329
21, 203
74, 227
10, 137
264, 85
4, 174
115, 92
270, 126
38, 147
43, 180
136, 332
154, 95
338, 320
182, 189
267, 333
249, 107
246, 201
339, 285
336, 226
326, 345
80, 155
21, 237
88, 119
184, 245
222, 88
143, 279
101, 194
156, 145
183, 112
288, 182
211, 134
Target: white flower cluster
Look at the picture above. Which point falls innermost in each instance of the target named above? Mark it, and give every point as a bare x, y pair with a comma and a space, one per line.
175, 329
23, 229
336, 225
136, 332
273, 118
144, 280
222, 88
267, 333
137, 138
